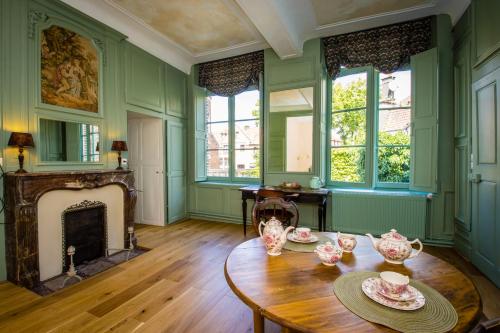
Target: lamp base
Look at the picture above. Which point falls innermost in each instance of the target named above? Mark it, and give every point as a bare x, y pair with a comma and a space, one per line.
119, 168
21, 171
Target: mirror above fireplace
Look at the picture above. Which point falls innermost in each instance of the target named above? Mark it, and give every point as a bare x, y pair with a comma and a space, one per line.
63, 141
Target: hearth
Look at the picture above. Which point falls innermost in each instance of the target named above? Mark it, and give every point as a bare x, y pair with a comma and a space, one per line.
84, 226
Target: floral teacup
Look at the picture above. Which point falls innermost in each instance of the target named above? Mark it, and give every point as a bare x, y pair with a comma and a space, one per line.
328, 254
347, 242
393, 283
302, 233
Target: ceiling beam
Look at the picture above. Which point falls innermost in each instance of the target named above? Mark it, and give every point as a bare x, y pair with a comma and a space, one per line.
283, 23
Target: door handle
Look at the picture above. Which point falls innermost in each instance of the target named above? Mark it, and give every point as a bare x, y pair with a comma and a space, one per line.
475, 178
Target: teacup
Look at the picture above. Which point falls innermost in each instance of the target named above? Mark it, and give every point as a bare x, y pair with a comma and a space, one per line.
393, 283
347, 242
302, 233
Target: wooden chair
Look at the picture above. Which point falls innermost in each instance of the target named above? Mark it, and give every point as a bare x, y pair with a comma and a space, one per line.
489, 326
285, 211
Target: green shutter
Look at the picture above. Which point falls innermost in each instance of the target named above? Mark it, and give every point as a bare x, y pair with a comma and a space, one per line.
200, 136
424, 140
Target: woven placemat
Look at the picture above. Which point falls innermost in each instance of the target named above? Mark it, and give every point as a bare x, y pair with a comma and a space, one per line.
436, 316
310, 247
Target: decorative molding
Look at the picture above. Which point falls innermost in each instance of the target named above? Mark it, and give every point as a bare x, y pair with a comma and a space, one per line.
101, 45
33, 18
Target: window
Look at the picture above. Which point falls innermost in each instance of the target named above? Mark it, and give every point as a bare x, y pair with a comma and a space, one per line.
370, 128
233, 136
89, 135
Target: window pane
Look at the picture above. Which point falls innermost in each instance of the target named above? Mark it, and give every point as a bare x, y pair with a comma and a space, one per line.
218, 136
247, 134
394, 164
348, 128
348, 164
247, 162
247, 105
395, 89
218, 163
394, 127
349, 92
217, 108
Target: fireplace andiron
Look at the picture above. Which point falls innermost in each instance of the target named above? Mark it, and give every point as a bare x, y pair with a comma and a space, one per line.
71, 273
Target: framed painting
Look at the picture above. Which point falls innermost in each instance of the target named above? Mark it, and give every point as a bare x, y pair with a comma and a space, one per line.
69, 67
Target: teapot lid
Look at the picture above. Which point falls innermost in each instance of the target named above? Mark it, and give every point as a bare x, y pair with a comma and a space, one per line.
394, 235
274, 220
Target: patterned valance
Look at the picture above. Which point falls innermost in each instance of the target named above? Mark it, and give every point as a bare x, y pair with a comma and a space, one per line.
386, 48
230, 76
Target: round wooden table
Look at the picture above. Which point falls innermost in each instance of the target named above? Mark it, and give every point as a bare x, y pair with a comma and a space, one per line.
296, 291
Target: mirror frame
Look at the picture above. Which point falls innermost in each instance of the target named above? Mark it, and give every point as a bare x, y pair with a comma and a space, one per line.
71, 119
267, 112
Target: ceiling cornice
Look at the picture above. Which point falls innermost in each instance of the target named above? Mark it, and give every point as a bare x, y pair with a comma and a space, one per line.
282, 24
137, 33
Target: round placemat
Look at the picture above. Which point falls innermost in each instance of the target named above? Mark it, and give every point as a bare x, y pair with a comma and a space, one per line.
436, 316
309, 247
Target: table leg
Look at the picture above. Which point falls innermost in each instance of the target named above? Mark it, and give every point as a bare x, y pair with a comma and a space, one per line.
325, 204
244, 208
258, 322
320, 217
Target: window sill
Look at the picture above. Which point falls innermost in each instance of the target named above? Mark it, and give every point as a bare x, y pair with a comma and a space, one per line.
212, 183
380, 192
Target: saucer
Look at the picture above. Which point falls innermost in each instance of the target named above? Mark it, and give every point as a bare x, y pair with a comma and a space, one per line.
312, 239
408, 295
370, 288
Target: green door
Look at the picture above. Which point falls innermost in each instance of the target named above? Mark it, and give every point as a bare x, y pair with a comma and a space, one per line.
485, 176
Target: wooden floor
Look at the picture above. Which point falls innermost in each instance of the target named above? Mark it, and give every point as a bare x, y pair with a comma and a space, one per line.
178, 286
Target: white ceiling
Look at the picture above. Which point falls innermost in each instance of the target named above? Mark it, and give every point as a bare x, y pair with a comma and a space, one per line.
186, 32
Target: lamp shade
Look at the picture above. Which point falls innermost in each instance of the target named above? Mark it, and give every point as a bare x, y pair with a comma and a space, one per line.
119, 146
20, 139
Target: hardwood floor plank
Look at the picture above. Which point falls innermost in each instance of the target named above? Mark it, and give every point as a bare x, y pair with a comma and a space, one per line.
178, 286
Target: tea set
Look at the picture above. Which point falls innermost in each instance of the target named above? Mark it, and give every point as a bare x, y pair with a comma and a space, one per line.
390, 288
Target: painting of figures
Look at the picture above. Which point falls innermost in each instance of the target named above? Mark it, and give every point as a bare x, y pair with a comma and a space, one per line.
69, 70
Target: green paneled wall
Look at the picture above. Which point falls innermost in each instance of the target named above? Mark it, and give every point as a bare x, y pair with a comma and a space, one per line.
431, 220
132, 80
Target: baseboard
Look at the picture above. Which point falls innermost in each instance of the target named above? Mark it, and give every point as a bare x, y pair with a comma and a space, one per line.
217, 218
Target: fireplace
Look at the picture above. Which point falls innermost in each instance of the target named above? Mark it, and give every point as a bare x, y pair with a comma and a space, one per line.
84, 226
99, 204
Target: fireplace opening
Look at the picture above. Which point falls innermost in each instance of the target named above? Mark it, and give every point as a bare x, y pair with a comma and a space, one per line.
84, 227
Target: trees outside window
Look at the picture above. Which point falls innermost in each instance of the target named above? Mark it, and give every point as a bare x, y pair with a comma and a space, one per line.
365, 102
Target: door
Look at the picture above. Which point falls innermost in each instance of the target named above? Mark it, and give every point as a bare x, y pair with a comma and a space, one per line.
485, 176
176, 169
146, 158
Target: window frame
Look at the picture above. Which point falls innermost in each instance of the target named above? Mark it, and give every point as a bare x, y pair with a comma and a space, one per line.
232, 178
88, 138
368, 133
372, 132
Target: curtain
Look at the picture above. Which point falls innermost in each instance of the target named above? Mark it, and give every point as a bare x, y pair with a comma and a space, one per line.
386, 48
230, 76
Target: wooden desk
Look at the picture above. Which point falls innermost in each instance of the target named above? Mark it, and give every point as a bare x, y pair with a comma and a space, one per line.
296, 291
305, 195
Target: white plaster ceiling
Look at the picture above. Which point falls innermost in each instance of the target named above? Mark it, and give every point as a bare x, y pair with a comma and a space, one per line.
186, 32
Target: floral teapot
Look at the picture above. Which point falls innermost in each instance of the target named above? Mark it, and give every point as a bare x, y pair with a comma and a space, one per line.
274, 236
394, 247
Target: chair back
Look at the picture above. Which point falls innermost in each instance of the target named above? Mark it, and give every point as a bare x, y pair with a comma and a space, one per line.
285, 211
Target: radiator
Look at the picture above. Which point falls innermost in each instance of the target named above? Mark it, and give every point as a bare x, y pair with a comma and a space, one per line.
378, 213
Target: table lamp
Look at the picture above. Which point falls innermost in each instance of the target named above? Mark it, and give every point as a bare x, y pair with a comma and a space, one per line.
21, 140
119, 146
